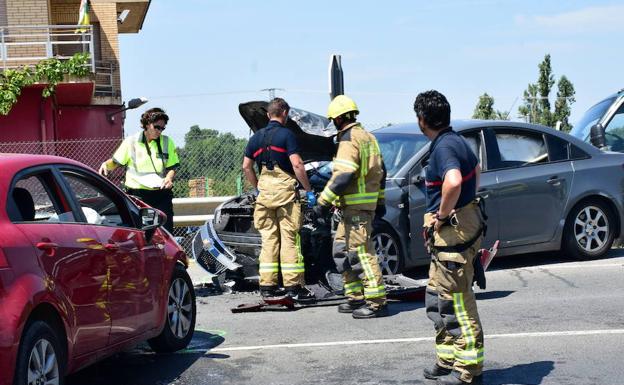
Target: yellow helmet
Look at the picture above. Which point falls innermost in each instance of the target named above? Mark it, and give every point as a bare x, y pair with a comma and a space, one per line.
341, 105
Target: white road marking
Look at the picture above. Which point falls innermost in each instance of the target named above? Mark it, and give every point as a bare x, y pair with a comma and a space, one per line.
561, 266
411, 340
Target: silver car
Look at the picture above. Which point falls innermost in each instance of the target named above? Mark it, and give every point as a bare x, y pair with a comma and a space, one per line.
544, 191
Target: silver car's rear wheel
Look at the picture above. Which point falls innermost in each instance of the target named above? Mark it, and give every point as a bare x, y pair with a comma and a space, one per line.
589, 231
388, 252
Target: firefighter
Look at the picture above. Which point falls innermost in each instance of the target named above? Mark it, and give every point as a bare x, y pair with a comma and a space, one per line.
357, 187
277, 212
454, 225
151, 161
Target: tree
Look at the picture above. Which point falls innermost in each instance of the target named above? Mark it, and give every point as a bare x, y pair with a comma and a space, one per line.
485, 109
536, 106
565, 97
213, 155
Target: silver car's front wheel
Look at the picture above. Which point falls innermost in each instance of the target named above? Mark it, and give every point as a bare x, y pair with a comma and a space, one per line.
589, 230
388, 252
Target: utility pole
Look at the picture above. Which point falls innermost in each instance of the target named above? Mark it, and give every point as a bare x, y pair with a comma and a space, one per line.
272, 92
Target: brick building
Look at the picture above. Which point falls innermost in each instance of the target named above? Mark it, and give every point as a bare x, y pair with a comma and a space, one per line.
81, 109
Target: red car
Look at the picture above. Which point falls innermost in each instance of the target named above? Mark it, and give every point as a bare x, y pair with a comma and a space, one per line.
85, 271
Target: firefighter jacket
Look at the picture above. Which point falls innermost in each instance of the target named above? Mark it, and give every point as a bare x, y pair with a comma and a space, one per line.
146, 163
358, 178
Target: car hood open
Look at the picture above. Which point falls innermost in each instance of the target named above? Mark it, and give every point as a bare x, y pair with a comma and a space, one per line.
314, 132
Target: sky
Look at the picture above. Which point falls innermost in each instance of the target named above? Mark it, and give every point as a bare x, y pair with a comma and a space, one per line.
199, 59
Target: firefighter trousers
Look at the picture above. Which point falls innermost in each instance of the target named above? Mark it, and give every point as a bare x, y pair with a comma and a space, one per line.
450, 301
277, 217
360, 269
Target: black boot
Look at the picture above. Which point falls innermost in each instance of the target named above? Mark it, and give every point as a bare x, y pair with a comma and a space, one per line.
435, 372
300, 294
367, 312
350, 306
268, 291
454, 379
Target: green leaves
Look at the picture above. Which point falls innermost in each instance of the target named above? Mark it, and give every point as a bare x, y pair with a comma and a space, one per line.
536, 107
51, 71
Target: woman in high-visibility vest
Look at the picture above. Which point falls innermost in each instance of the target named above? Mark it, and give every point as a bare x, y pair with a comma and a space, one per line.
150, 160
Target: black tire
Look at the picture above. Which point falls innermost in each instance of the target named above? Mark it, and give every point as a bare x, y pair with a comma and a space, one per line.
589, 230
40, 342
389, 253
180, 317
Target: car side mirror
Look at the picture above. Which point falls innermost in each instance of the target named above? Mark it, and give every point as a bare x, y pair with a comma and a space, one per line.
597, 136
151, 218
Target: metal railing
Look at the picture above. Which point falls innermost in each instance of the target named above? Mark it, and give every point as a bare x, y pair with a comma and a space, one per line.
104, 78
27, 45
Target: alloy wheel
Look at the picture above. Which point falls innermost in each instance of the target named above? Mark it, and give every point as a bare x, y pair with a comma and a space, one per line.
591, 228
179, 308
387, 251
43, 367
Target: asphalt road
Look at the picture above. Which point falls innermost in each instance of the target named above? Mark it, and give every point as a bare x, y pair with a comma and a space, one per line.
546, 321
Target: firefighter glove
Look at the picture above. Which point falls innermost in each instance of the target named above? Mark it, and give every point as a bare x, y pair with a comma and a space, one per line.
311, 199
479, 272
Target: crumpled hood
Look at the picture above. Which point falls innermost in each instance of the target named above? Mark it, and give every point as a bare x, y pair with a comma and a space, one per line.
314, 133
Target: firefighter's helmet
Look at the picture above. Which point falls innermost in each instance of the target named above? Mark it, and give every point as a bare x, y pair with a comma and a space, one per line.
340, 106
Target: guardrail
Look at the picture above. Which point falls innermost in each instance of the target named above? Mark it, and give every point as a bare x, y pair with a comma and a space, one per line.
195, 211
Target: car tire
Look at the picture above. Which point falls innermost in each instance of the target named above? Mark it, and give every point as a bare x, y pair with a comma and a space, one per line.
40, 356
388, 249
589, 230
180, 316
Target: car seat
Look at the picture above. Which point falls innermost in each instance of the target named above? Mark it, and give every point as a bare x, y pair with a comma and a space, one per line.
25, 203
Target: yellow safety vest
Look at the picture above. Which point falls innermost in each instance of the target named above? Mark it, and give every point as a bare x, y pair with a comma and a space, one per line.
145, 169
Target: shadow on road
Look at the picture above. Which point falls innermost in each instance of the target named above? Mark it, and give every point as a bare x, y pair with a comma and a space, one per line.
141, 366
524, 374
495, 294
396, 307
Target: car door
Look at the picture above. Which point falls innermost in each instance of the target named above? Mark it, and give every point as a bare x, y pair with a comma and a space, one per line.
137, 263
74, 268
533, 184
417, 195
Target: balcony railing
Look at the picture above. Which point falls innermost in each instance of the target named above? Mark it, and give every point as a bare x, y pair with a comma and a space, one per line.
27, 45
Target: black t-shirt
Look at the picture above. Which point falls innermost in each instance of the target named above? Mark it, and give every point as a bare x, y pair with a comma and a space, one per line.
273, 144
450, 151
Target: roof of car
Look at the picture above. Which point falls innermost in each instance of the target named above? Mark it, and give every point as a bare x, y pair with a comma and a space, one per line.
15, 162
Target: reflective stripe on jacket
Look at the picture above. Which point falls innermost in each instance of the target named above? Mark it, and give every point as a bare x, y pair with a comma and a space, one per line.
358, 176
141, 171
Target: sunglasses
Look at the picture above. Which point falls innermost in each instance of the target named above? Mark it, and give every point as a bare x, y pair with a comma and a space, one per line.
159, 128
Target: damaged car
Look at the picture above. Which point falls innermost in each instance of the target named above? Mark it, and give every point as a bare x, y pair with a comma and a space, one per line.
544, 190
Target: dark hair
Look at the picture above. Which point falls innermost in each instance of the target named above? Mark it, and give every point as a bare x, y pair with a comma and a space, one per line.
152, 116
434, 109
277, 107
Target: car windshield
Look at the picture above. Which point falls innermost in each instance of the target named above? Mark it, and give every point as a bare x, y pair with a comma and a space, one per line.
397, 149
591, 117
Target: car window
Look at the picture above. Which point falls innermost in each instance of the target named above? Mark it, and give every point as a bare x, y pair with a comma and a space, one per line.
34, 201
100, 207
577, 153
474, 142
520, 148
614, 131
557, 148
